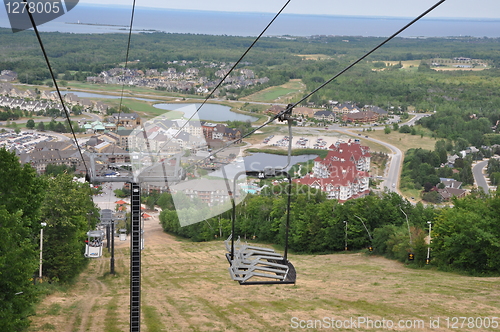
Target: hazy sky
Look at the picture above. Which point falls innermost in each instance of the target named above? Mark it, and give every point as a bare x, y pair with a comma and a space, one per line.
397, 8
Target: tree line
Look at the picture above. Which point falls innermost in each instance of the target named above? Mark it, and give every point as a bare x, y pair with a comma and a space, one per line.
472, 126
26, 201
462, 240
278, 59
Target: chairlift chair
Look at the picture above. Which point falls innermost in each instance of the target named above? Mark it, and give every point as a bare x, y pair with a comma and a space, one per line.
123, 234
93, 246
253, 265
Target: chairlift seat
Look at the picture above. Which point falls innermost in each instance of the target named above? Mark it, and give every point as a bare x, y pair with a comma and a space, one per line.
251, 264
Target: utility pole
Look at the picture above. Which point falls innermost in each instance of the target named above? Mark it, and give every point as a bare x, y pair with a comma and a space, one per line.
112, 262
43, 224
427, 261
345, 222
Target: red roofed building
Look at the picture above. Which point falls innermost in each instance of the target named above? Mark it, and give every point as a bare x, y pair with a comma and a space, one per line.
343, 173
355, 152
364, 116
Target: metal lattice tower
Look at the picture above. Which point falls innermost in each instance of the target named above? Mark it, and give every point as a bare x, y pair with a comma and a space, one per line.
135, 260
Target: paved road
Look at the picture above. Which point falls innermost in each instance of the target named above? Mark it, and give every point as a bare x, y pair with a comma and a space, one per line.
60, 137
479, 178
107, 199
416, 117
90, 117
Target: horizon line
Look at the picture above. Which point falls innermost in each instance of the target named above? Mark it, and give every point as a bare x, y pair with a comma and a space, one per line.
286, 14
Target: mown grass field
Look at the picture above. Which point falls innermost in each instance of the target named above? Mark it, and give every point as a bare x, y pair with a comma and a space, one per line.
129, 91
186, 287
407, 65
317, 57
282, 94
404, 142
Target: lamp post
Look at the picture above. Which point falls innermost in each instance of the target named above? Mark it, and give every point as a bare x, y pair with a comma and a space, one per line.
370, 248
43, 224
345, 222
364, 225
409, 232
429, 245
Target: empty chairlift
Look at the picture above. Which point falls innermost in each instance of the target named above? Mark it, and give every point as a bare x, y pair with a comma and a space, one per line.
253, 265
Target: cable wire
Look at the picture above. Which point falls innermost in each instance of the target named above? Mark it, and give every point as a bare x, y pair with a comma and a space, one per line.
126, 64
123, 85
56, 86
229, 72
291, 106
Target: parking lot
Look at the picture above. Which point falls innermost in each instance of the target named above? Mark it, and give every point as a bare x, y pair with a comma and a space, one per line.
304, 142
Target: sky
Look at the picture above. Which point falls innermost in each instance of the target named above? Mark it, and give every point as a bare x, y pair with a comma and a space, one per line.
391, 8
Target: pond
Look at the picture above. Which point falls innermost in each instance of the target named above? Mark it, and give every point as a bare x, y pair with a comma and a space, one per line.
257, 161
210, 112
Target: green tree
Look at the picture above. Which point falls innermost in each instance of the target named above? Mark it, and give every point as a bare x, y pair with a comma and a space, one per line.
77, 109
60, 128
30, 124
21, 195
54, 170
467, 237
69, 213
40, 126
432, 197
17, 265
405, 129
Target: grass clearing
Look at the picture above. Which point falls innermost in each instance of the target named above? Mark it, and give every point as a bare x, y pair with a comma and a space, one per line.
315, 57
48, 327
152, 319
404, 142
186, 287
54, 309
366, 142
145, 108
128, 91
407, 65
111, 316
282, 94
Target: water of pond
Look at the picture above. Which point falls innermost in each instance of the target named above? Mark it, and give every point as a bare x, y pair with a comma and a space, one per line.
211, 112
257, 161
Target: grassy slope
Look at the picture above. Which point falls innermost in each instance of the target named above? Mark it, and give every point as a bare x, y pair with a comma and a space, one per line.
404, 142
186, 287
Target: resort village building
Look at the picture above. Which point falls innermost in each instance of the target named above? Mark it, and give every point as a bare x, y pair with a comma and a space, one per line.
343, 173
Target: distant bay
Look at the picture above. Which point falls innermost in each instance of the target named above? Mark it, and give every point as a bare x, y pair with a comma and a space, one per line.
86, 18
